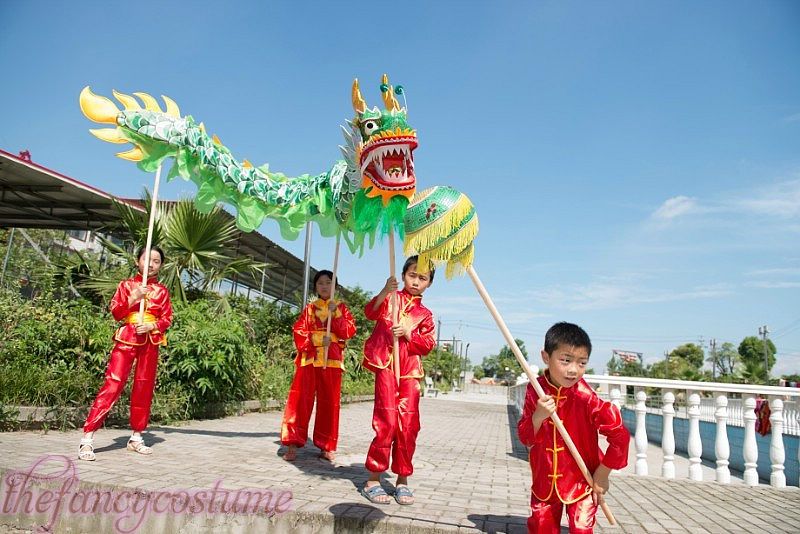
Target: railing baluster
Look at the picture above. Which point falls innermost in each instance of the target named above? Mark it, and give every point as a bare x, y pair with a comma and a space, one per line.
695, 444
615, 395
668, 434
721, 446
777, 454
750, 449
640, 437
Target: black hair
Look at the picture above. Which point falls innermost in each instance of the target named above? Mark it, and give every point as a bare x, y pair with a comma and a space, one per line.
412, 260
154, 247
568, 334
320, 274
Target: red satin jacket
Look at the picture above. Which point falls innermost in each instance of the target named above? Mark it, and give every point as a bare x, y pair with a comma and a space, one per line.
158, 310
378, 348
310, 328
584, 414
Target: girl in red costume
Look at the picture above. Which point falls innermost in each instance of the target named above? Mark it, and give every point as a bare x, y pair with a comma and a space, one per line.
312, 379
395, 417
135, 341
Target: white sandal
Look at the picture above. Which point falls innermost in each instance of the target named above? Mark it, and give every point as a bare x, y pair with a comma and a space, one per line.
137, 445
86, 450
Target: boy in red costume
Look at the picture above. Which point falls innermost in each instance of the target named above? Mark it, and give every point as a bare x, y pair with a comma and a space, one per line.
557, 481
395, 417
311, 378
135, 341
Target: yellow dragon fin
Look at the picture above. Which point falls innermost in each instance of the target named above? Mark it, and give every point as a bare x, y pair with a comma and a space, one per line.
247, 165
150, 103
128, 101
172, 108
134, 154
98, 108
109, 135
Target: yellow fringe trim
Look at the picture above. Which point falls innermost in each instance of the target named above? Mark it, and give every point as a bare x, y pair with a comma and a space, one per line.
432, 235
445, 250
460, 262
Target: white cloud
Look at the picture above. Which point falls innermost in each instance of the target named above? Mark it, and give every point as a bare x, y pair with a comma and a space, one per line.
603, 295
778, 270
792, 118
775, 278
765, 284
675, 207
779, 200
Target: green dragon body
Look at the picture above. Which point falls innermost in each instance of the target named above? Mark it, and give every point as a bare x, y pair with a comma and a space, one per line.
363, 195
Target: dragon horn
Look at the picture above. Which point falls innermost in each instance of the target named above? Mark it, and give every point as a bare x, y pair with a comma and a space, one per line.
358, 101
389, 100
98, 108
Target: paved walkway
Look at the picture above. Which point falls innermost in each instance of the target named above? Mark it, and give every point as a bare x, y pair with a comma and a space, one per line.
471, 476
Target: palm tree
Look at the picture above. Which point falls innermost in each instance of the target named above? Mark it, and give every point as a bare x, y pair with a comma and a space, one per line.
199, 248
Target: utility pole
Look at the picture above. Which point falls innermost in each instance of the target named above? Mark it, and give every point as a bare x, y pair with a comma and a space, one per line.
439, 335
713, 344
763, 331
466, 359
666, 366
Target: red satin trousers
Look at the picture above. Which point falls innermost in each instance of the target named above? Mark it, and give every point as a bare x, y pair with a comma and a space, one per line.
546, 516
309, 383
395, 419
144, 380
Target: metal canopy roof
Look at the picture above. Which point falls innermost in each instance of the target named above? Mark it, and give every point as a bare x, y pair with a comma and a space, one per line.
33, 196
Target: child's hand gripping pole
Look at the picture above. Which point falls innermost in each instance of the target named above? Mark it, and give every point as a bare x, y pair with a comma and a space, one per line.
151, 223
333, 296
532, 377
395, 311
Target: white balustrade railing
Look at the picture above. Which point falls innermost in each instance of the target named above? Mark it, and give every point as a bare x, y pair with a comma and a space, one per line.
725, 406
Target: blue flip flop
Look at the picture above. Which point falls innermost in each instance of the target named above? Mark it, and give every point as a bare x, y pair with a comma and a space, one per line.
403, 491
373, 492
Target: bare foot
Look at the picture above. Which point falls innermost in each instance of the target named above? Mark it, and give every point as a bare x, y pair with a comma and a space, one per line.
328, 455
291, 454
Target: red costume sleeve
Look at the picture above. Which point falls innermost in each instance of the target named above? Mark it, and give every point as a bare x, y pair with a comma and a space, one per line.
369, 310
525, 424
119, 303
165, 318
605, 417
302, 331
343, 326
423, 337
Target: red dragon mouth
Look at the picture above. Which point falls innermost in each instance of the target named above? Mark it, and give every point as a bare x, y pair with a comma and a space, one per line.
388, 163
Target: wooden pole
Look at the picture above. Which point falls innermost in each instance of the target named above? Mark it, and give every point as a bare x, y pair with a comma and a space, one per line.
532, 377
333, 296
150, 225
395, 311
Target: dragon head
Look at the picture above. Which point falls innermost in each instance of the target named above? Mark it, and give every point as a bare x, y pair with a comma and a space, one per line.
384, 145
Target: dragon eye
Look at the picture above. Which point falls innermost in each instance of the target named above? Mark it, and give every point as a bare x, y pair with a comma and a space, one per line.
370, 126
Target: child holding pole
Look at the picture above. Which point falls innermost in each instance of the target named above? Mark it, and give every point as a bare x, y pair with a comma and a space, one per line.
136, 341
557, 479
318, 375
395, 417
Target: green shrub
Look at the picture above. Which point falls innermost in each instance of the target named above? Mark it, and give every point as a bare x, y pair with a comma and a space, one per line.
210, 355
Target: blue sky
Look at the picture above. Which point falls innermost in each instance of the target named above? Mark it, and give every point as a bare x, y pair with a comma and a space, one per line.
635, 165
